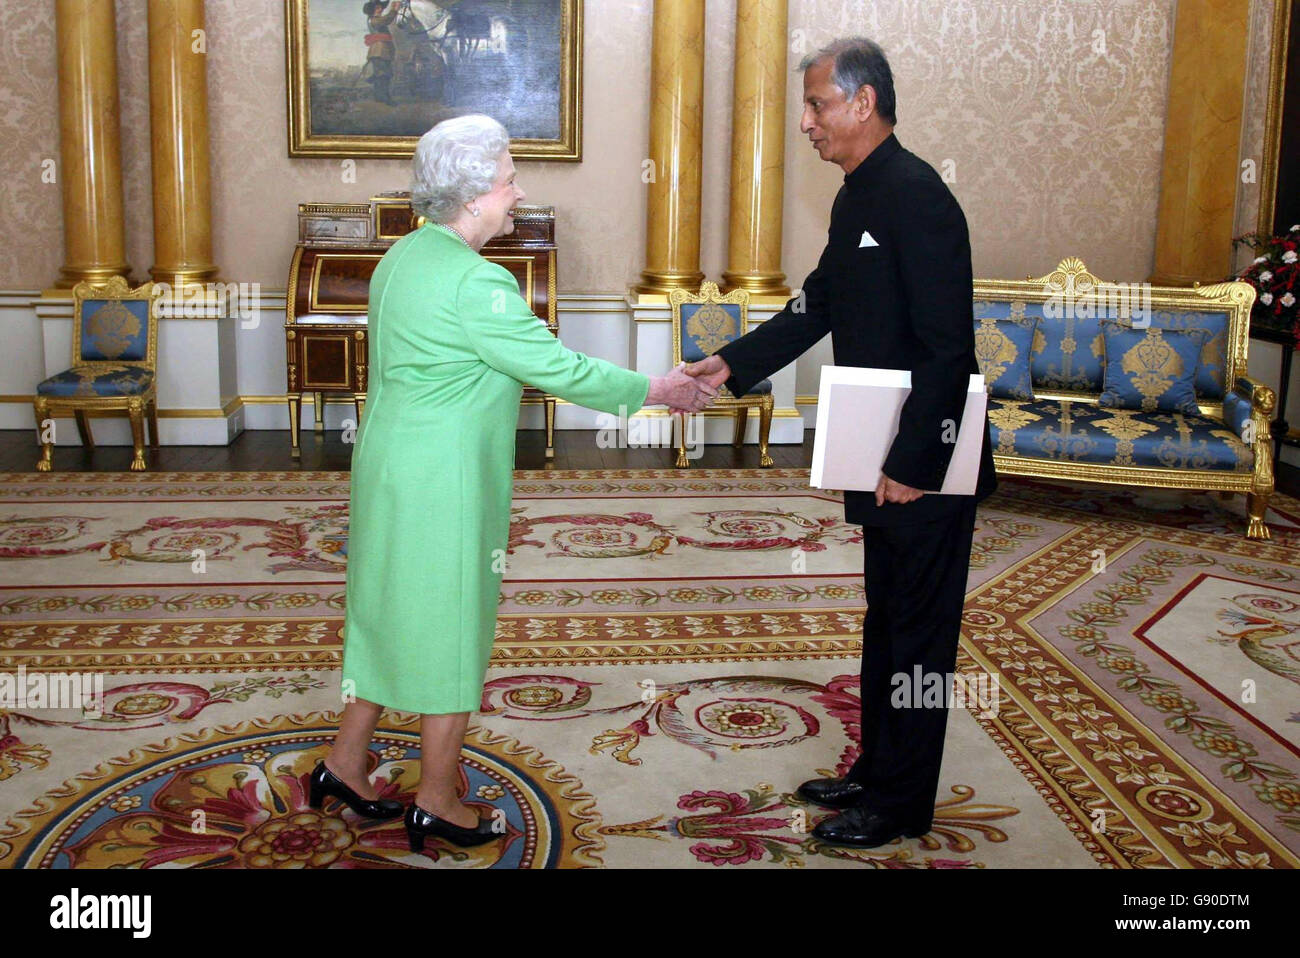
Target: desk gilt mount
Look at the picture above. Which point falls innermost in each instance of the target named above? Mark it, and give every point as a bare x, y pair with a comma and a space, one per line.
339, 246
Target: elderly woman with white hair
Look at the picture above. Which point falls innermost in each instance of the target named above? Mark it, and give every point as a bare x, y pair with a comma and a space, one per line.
451, 345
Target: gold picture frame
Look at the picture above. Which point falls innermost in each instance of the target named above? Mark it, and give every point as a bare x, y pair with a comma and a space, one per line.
422, 88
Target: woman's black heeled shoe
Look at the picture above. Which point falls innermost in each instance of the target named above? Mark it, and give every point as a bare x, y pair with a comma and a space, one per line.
420, 823
324, 782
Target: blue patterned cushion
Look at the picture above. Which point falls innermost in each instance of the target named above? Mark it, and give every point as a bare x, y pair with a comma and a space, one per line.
1083, 432
114, 330
1069, 352
1002, 347
1211, 369
707, 327
100, 381
1066, 353
1151, 369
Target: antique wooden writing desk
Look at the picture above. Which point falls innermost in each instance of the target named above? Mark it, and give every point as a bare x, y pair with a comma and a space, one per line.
339, 246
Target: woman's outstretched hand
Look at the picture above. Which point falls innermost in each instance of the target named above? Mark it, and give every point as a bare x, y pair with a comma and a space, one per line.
680, 392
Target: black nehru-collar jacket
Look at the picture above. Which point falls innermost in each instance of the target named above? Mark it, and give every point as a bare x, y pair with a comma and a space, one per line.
894, 289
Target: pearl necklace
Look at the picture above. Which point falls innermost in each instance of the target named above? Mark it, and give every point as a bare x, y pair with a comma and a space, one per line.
458, 233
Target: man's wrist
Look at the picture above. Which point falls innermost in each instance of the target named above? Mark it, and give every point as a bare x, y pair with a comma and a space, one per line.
726, 367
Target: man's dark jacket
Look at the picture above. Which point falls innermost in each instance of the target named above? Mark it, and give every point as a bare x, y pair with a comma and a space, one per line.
894, 289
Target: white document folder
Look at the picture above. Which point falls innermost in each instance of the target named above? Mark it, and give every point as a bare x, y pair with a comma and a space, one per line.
857, 419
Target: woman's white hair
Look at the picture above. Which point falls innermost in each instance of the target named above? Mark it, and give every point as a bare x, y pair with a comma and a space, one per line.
455, 162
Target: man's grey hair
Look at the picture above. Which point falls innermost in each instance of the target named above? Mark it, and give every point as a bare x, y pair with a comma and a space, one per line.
858, 62
455, 162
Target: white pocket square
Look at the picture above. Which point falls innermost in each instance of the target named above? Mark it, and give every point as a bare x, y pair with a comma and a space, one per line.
867, 240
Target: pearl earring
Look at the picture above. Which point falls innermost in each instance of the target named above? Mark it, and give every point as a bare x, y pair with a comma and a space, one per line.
474, 211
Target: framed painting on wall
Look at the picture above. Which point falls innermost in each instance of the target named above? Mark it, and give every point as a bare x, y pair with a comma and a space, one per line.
366, 78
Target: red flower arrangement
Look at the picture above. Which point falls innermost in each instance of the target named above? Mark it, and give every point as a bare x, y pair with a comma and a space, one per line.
1275, 274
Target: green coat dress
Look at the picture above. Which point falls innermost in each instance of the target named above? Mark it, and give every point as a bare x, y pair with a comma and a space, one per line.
452, 344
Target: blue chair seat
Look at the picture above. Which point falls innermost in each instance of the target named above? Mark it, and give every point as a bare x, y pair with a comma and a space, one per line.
102, 382
1085, 433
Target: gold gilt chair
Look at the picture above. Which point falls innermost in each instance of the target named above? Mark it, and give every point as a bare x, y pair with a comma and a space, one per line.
703, 323
114, 366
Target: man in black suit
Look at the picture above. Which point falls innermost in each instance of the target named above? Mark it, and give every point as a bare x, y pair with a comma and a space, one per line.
893, 287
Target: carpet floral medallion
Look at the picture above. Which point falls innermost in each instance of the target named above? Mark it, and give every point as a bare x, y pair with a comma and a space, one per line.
675, 653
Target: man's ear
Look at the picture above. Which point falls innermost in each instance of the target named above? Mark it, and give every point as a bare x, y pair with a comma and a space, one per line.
864, 102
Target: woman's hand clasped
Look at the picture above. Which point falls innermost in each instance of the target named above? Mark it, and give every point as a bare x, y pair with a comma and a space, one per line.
680, 392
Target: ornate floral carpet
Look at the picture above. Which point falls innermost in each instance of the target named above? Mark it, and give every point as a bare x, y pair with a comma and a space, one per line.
675, 653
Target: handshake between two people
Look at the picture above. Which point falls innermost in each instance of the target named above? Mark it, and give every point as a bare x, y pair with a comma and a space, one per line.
689, 387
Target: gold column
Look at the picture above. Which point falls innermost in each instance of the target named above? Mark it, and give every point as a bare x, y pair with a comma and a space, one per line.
676, 140
178, 118
758, 149
90, 153
1198, 185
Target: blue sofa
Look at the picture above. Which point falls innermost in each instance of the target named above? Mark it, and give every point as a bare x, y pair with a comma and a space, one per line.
1048, 415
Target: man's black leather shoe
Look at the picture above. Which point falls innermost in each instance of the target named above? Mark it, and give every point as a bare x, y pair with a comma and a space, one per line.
864, 828
832, 792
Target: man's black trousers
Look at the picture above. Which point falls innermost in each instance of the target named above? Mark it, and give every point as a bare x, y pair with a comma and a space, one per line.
916, 586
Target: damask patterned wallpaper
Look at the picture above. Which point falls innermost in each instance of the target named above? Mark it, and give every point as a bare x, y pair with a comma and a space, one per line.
29, 134
1050, 111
